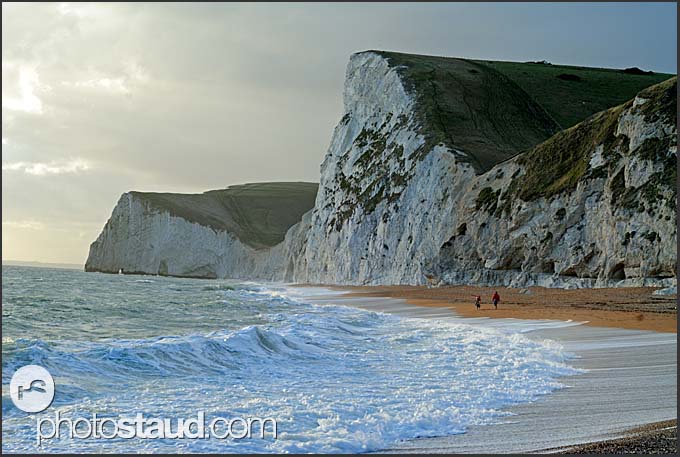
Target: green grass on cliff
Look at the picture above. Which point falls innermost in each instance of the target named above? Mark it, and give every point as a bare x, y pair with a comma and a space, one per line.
493, 110
472, 108
571, 100
258, 214
559, 163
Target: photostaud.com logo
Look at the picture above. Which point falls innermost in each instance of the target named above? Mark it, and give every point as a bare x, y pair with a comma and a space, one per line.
32, 389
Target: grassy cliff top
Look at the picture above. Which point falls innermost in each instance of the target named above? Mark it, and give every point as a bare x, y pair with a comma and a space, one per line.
258, 214
572, 94
472, 108
559, 163
493, 110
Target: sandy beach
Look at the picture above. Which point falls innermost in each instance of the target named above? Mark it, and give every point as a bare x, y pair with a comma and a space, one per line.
629, 308
625, 340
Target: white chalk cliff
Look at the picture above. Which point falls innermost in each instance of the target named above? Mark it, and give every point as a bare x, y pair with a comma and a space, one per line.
466, 181
231, 233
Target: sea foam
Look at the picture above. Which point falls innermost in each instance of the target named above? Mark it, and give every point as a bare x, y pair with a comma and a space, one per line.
337, 379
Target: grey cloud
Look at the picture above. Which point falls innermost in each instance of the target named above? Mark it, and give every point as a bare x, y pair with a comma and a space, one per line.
201, 96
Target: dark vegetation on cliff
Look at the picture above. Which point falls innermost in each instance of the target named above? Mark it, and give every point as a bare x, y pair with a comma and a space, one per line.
492, 110
559, 163
662, 103
258, 214
472, 108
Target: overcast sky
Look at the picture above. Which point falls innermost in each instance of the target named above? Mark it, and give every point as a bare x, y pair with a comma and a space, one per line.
104, 98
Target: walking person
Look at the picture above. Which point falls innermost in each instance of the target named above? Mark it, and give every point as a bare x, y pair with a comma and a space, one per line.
478, 301
495, 299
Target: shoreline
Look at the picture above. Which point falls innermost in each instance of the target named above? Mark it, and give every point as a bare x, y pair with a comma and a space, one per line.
630, 383
626, 308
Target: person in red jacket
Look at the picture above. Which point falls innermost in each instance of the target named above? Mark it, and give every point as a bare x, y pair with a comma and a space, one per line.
495, 299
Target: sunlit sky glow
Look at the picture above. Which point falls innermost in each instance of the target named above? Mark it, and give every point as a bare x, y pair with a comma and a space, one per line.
99, 99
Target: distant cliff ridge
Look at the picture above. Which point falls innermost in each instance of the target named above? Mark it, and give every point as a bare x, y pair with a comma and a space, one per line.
443, 170
214, 234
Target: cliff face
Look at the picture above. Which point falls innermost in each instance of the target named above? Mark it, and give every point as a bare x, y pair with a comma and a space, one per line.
444, 171
389, 179
592, 206
225, 233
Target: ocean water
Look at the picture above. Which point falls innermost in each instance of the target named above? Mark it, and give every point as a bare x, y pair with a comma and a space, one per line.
336, 378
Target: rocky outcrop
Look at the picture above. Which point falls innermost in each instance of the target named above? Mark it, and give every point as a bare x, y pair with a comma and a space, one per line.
445, 171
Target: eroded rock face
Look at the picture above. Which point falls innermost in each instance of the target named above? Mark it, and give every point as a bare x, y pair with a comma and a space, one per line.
138, 238
615, 226
238, 232
592, 206
384, 196
391, 212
